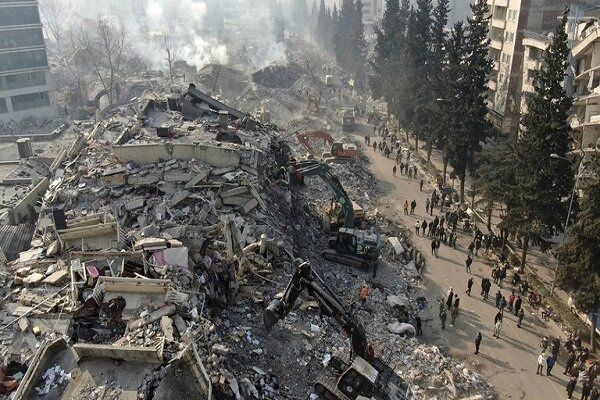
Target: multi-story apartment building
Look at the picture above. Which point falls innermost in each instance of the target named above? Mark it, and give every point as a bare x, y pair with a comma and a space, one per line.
24, 86
586, 63
534, 46
510, 19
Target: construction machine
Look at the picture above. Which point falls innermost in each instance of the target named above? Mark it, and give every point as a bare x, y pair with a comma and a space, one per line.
362, 376
338, 151
350, 246
348, 115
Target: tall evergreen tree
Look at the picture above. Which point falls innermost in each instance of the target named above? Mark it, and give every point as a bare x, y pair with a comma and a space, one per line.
387, 50
350, 45
322, 25
360, 46
478, 66
579, 270
439, 65
537, 209
420, 55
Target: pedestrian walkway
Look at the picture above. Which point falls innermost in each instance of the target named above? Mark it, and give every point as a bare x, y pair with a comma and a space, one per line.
509, 362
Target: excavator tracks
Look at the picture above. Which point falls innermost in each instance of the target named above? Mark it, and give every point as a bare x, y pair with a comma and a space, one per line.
347, 259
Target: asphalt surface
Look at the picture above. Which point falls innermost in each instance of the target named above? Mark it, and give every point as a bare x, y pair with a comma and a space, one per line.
508, 362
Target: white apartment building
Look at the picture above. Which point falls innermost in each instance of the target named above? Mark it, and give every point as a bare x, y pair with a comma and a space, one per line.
586, 63
24, 87
510, 19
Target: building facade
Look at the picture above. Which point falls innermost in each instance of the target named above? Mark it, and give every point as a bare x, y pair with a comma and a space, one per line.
510, 19
24, 71
534, 46
586, 92
373, 9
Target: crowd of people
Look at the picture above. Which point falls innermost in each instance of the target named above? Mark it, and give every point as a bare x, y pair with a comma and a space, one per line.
442, 228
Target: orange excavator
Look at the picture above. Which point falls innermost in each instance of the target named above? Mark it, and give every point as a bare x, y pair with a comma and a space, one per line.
338, 151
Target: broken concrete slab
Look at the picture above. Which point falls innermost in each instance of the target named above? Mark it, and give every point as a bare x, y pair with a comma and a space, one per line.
177, 256
201, 176
234, 192
57, 277
166, 325
249, 206
153, 317
33, 279
236, 201
135, 203
179, 197
121, 353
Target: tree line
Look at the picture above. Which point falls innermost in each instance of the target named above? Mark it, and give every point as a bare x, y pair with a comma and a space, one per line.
435, 83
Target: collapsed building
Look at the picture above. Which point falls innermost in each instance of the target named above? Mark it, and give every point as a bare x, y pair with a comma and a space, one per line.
161, 238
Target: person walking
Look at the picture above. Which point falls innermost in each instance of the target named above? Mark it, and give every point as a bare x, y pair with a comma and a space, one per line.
469, 286
471, 247
468, 263
550, 364
488, 286
570, 362
453, 316
421, 185
498, 298
518, 303
503, 304
497, 324
394, 170
477, 342
375, 146
449, 298
477, 246
413, 205
423, 226
520, 316
443, 317
541, 363
511, 300
405, 207
433, 246
571, 387
417, 227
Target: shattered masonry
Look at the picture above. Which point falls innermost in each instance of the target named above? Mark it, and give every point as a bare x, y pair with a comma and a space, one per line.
161, 237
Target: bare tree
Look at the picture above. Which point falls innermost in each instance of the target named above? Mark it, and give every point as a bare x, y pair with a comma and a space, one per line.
104, 45
55, 15
170, 54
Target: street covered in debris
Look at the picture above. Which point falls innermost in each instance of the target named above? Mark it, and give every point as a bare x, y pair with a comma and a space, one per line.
210, 218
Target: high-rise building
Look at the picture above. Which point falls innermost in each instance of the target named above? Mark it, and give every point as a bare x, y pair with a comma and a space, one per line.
510, 19
24, 87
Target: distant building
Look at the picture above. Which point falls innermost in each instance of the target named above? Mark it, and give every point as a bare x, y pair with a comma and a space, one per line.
510, 20
373, 9
24, 87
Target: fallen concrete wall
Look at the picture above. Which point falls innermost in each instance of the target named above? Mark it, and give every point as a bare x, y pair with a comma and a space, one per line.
37, 367
155, 152
124, 353
24, 208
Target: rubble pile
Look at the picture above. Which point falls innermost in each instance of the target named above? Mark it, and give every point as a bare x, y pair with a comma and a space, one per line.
278, 76
164, 234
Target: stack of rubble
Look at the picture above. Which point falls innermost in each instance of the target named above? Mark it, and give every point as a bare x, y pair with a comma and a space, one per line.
160, 242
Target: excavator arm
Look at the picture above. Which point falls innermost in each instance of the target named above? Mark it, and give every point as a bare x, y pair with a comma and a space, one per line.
311, 167
307, 279
306, 137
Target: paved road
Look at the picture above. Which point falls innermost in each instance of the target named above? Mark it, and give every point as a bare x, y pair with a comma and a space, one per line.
509, 362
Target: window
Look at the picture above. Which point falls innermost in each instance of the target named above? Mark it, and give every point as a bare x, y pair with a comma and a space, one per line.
3, 106
21, 38
19, 81
29, 101
14, 15
23, 60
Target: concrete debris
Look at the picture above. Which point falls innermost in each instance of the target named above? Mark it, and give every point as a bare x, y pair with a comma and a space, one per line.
164, 234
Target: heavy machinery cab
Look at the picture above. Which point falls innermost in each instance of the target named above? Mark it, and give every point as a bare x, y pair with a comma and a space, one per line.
358, 380
354, 241
347, 119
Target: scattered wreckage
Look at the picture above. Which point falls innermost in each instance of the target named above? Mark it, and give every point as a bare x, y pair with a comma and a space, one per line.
162, 233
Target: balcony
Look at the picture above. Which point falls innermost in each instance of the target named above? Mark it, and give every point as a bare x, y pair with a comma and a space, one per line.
496, 44
492, 85
501, 3
496, 66
498, 23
